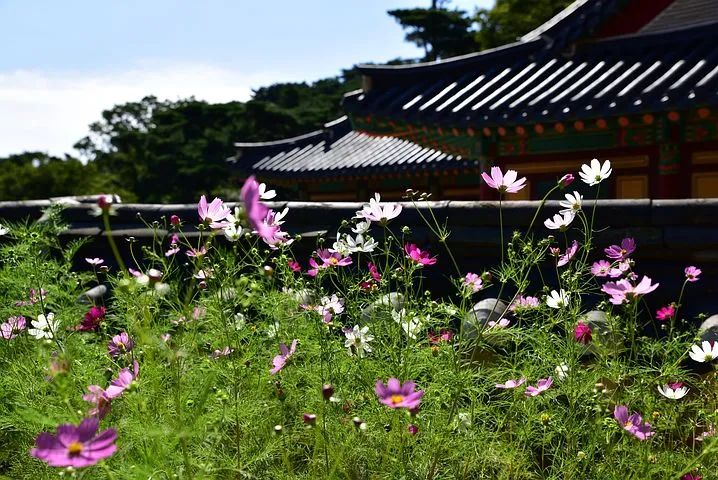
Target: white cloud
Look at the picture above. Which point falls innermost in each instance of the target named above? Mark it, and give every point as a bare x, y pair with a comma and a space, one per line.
50, 111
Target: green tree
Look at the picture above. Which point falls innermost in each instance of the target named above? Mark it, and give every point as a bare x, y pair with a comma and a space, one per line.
510, 19
441, 32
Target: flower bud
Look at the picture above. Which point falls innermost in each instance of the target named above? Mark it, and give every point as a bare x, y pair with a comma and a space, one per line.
327, 391
310, 419
175, 220
566, 180
413, 429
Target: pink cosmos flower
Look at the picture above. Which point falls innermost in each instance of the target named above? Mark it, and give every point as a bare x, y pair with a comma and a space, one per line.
418, 255
120, 344
504, 183
99, 400
691, 476
95, 261
665, 313
396, 395
623, 268
570, 252
314, 268
511, 383
601, 268
75, 446
566, 180
294, 266
374, 272
173, 250
615, 252
633, 424
213, 214
623, 292
582, 333
330, 259
34, 298
123, 381
175, 220
257, 211
542, 385
309, 418
193, 252
692, 273
443, 336
92, 319
12, 327
329, 307
473, 282
225, 352
285, 354
524, 302
502, 323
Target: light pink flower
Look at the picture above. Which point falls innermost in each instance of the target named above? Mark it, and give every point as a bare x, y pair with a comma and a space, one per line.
12, 327
285, 354
213, 214
502, 323
173, 250
524, 302
601, 268
123, 381
473, 282
95, 261
570, 252
511, 383
378, 212
99, 399
504, 183
623, 291
542, 385
225, 352
692, 273
418, 255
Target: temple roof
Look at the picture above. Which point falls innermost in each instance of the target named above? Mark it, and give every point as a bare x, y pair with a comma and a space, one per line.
338, 150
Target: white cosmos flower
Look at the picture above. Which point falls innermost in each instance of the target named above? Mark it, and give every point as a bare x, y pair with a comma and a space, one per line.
3, 231
265, 194
411, 326
561, 371
376, 212
232, 232
557, 299
361, 244
595, 173
572, 203
358, 340
361, 227
278, 217
706, 352
341, 246
44, 326
674, 391
560, 221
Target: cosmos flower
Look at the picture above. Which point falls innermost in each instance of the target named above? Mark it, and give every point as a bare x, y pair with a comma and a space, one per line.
566, 257
502, 323
44, 327
633, 424
566, 180
524, 302
99, 400
623, 291
705, 352
285, 354
558, 299
95, 262
75, 446
265, 194
294, 266
409, 323
674, 391
418, 255
374, 272
560, 221
542, 385
665, 313
92, 319
601, 268
12, 327
376, 212
123, 381
616, 252
214, 213
330, 259
692, 273
572, 203
443, 336
508, 384
330, 306
582, 333
396, 395
504, 183
595, 173
472, 282
357, 340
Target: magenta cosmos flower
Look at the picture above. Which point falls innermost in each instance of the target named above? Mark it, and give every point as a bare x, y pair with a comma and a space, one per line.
214, 213
285, 354
294, 266
692, 273
257, 212
616, 252
418, 255
541, 386
374, 272
330, 259
92, 319
623, 291
75, 446
504, 183
12, 327
632, 424
511, 383
443, 336
120, 344
123, 381
396, 395
665, 313
582, 333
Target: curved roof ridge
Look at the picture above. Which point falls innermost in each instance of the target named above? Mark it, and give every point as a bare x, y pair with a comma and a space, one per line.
336, 124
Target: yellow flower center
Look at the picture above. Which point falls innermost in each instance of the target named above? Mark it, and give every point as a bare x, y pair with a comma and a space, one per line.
333, 261
628, 424
75, 448
397, 399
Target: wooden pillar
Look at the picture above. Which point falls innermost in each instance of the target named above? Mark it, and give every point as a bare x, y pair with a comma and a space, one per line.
669, 183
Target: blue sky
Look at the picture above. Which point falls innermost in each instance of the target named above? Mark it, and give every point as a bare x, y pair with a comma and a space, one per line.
63, 62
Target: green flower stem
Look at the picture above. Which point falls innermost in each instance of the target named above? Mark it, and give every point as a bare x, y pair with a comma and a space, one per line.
113, 246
